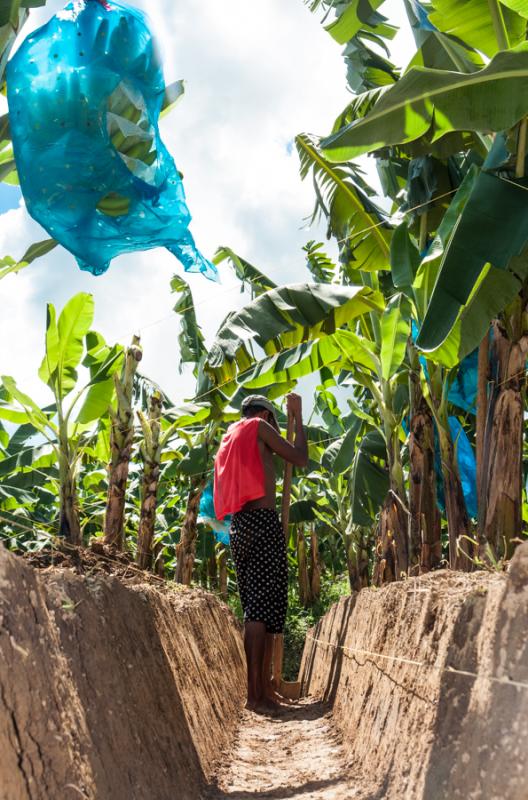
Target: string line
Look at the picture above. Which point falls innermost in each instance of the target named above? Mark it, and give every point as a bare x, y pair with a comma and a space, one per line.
422, 664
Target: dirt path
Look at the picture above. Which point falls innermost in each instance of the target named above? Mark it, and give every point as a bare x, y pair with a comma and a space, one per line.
295, 754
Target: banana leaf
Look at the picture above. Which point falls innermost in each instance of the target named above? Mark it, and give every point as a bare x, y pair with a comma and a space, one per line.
405, 259
432, 103
343, 197
8, 265
520, 6
494, 291
369, 480
357, 16
436, 49
342, 350
395, 330
492, 228
65, 342
339, 455
358, 25
321, 266
245, 272
471, 22
190, 338
283, 318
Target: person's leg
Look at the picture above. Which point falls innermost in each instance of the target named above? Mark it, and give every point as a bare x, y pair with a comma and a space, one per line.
270, 689
266, 665
254, 646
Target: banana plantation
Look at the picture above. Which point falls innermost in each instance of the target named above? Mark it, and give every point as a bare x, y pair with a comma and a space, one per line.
412, 316
384, 649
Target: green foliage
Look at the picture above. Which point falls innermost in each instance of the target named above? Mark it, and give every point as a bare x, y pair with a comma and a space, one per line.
321, 266
473, 22
248, 275
8, 265
283, 318
395, 330
344, 198
191, 339
437, 264
359, 25
503, 205
300, 620
69, 342
429, 104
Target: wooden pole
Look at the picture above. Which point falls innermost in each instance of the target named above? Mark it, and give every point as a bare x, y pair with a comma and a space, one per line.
286, 491
278, 645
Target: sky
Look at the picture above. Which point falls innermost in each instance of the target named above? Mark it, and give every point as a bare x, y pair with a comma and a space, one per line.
257, 73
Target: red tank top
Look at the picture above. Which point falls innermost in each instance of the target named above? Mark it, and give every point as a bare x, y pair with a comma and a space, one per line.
239, 472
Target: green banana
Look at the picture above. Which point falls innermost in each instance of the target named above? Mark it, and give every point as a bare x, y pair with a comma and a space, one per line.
139, 150
114, 205
131, 113
118, 138
150, 158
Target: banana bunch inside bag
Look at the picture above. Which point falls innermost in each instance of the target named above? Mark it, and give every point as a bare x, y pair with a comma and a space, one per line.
85, 93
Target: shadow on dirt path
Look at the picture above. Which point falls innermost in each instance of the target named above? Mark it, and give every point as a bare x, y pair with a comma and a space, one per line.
292, 754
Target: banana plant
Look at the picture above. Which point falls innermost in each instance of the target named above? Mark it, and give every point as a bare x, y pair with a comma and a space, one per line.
196, 465
121, 443
484, 267
69, 427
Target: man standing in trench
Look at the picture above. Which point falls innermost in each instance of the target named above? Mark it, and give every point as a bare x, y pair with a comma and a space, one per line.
244, 485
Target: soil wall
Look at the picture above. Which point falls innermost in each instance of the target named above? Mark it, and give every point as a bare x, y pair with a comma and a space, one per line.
112, 692
427, 732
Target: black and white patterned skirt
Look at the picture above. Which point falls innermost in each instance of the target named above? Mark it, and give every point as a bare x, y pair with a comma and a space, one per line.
259, 552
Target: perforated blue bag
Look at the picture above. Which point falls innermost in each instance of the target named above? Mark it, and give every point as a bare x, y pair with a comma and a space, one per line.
85, 93
207, 516
467, 467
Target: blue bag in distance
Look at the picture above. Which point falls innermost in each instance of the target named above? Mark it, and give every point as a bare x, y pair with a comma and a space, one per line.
85, 93
207, 516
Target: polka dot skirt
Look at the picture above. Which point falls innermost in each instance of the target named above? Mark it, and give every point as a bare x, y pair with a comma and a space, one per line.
259, 552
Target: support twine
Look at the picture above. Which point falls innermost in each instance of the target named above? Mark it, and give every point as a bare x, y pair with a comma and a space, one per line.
423, 664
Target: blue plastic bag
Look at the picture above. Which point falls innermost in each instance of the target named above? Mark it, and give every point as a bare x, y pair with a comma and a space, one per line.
463, 390
467, 467
85, 92
207, 516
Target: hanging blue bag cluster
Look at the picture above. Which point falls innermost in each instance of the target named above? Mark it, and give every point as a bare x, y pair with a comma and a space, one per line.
85, 93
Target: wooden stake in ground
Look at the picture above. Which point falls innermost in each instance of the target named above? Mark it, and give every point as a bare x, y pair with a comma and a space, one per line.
278, 650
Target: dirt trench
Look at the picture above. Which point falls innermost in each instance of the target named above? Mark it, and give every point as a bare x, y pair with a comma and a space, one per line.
112, 691
428, 684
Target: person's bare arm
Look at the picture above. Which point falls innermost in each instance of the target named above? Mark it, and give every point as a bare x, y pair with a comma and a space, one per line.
296, 453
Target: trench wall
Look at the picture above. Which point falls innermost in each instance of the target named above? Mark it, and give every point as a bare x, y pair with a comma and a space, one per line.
428, 732
112, 692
